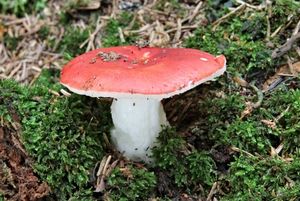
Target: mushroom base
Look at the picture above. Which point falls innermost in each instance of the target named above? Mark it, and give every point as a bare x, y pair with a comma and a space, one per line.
137, 123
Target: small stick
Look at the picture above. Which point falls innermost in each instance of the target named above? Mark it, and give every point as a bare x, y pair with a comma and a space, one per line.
260, 7
220, 20
53, 92
111, 167
106, 164
281, 28
213, 190
101, 166
183, 28
282, 114
60, 37
14, 71
178, 32
236, 149
65, 93
121, 35
269, 9
260, 96
278, 52
195, 12
297, 28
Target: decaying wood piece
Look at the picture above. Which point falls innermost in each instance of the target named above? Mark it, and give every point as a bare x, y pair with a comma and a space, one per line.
18, 182
278, 52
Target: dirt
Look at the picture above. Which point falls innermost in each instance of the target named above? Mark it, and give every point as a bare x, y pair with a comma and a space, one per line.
18, 182
164, 184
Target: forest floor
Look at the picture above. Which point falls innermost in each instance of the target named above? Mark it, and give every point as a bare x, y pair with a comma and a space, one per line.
236, 138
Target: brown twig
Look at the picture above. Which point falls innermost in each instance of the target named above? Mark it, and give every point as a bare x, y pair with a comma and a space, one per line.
233, 12
195, 12
213, 191
259, 7
100, 24
278, 52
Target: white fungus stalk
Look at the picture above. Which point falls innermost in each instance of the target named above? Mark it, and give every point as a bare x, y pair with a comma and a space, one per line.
137, 123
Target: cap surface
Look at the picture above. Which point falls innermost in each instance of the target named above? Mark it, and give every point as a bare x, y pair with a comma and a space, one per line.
129, 71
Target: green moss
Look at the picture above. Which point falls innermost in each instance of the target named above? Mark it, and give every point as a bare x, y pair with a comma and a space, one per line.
65, 18
215, 9
284, 103
173, 3
20, 7
242, 53
135, 184
49, 78
282, 10
73, 4
72, 40
248, 135
63, 135
188, 169
44, 32
241, 38
111, 35
263, 178
11, 43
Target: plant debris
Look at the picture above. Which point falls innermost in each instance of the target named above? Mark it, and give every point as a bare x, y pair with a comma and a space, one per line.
18, 182
109, 56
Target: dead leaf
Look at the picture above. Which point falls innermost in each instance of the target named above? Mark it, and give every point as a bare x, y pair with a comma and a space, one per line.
1, 133
248, 110
100, 187
240, 81
91, 5
126, 172
297, 67
2, 31
269, 123
284, 70
275, 152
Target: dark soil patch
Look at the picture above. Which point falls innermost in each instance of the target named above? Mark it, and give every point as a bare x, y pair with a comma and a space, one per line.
17, 179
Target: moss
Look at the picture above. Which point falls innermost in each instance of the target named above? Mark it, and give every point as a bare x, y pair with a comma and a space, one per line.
263, 178
49, 78
11, 43
281, 12
131, 183
72, 40
215, 9
189, 169
111, 35
242, 38
288, 126
65, 18
235, 41
73, 4
248, 135
20, 7
44, 32
56, 134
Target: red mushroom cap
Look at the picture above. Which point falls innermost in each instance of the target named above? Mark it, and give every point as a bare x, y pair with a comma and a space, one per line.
129, 71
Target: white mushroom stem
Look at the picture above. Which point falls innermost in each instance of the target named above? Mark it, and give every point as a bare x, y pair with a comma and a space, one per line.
137, 123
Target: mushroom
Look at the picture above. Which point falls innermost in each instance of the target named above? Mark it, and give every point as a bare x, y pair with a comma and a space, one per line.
138, 79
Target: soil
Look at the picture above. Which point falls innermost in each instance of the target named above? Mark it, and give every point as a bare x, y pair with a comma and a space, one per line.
18, 182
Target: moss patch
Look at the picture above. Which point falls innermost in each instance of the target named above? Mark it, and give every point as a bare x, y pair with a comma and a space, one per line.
56, 134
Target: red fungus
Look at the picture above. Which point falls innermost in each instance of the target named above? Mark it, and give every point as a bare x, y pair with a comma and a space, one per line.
138, 78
